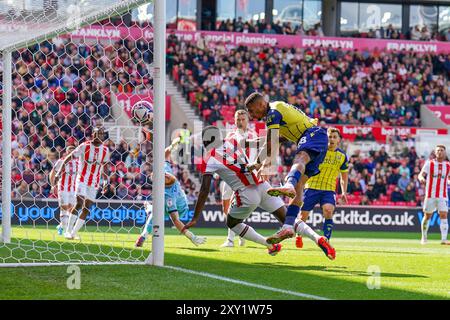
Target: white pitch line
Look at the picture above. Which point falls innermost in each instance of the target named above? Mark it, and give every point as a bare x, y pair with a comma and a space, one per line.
248, 284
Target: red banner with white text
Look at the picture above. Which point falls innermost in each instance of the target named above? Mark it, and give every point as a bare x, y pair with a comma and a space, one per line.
381, 134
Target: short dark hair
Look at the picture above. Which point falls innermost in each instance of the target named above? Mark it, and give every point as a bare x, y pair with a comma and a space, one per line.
252, 98
441, 146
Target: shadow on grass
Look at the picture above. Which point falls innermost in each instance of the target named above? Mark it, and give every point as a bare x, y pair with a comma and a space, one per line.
341, 270
326, 282
198, 249
357, 251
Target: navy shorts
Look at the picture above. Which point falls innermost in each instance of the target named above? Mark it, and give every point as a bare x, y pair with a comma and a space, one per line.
314, 141
311, 197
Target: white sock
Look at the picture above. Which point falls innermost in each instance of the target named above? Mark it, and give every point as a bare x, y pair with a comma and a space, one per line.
425, 224
231, 235
304, 230
71, 222
146, 226
247, 232
64, 219
286, 226
78, 225
444, 229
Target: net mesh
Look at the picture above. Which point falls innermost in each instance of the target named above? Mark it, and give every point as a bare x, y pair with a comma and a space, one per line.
63, 88
25, 21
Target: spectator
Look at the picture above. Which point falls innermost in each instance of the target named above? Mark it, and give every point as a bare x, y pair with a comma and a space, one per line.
404, 169
403, 182
410, 193
396, 195
370, 193
359, 136
379, 188
269, 30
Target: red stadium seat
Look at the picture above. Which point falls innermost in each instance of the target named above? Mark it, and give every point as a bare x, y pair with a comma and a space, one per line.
206, 113
192, 97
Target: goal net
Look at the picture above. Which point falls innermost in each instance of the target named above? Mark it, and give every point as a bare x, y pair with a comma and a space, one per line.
69, 68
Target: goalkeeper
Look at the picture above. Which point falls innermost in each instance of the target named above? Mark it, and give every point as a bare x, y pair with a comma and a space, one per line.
176, 203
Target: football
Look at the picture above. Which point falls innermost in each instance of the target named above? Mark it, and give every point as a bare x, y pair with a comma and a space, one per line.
143, 112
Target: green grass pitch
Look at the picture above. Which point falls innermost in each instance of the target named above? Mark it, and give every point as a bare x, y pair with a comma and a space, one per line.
408, 270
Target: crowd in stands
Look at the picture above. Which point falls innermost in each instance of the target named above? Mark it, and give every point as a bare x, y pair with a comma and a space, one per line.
416, 33
261, 26
336, 86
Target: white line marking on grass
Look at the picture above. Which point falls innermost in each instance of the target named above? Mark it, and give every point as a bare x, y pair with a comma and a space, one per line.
248, 284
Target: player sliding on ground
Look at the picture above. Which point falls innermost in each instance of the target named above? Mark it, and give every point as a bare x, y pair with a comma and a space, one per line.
321, 189
435, 174
65, 188
288, 122
176, 204
92, 156
231, 164
243, 135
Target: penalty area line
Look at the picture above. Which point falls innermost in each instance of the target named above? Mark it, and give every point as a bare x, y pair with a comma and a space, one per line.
248, 284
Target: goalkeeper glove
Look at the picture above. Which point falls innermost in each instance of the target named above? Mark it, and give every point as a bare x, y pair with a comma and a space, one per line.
197, 240
174, 143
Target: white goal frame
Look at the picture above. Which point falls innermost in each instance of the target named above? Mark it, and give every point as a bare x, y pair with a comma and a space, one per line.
156, 257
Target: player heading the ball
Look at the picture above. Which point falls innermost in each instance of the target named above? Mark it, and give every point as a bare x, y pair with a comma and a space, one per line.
288, 122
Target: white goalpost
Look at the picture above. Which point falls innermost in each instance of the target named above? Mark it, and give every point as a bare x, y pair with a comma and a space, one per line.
57, 85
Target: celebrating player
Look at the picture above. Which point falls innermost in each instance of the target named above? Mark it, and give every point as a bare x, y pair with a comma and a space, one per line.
242, 135
92, 156
321, 188
176, 204
231, 164
288, 122
435, 174
65, 187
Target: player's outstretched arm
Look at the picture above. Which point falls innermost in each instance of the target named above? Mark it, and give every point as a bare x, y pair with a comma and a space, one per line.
168, 150
52, 177
201, 200
197, 240
344, 185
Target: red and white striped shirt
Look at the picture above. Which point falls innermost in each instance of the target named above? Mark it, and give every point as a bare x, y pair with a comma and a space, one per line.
68, 175
437, 177
230, 163
241, 137
91, 158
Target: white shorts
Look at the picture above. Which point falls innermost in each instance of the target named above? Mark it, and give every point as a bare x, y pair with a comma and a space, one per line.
226, 191
86, 192
430, 205
67, 198
246, 201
